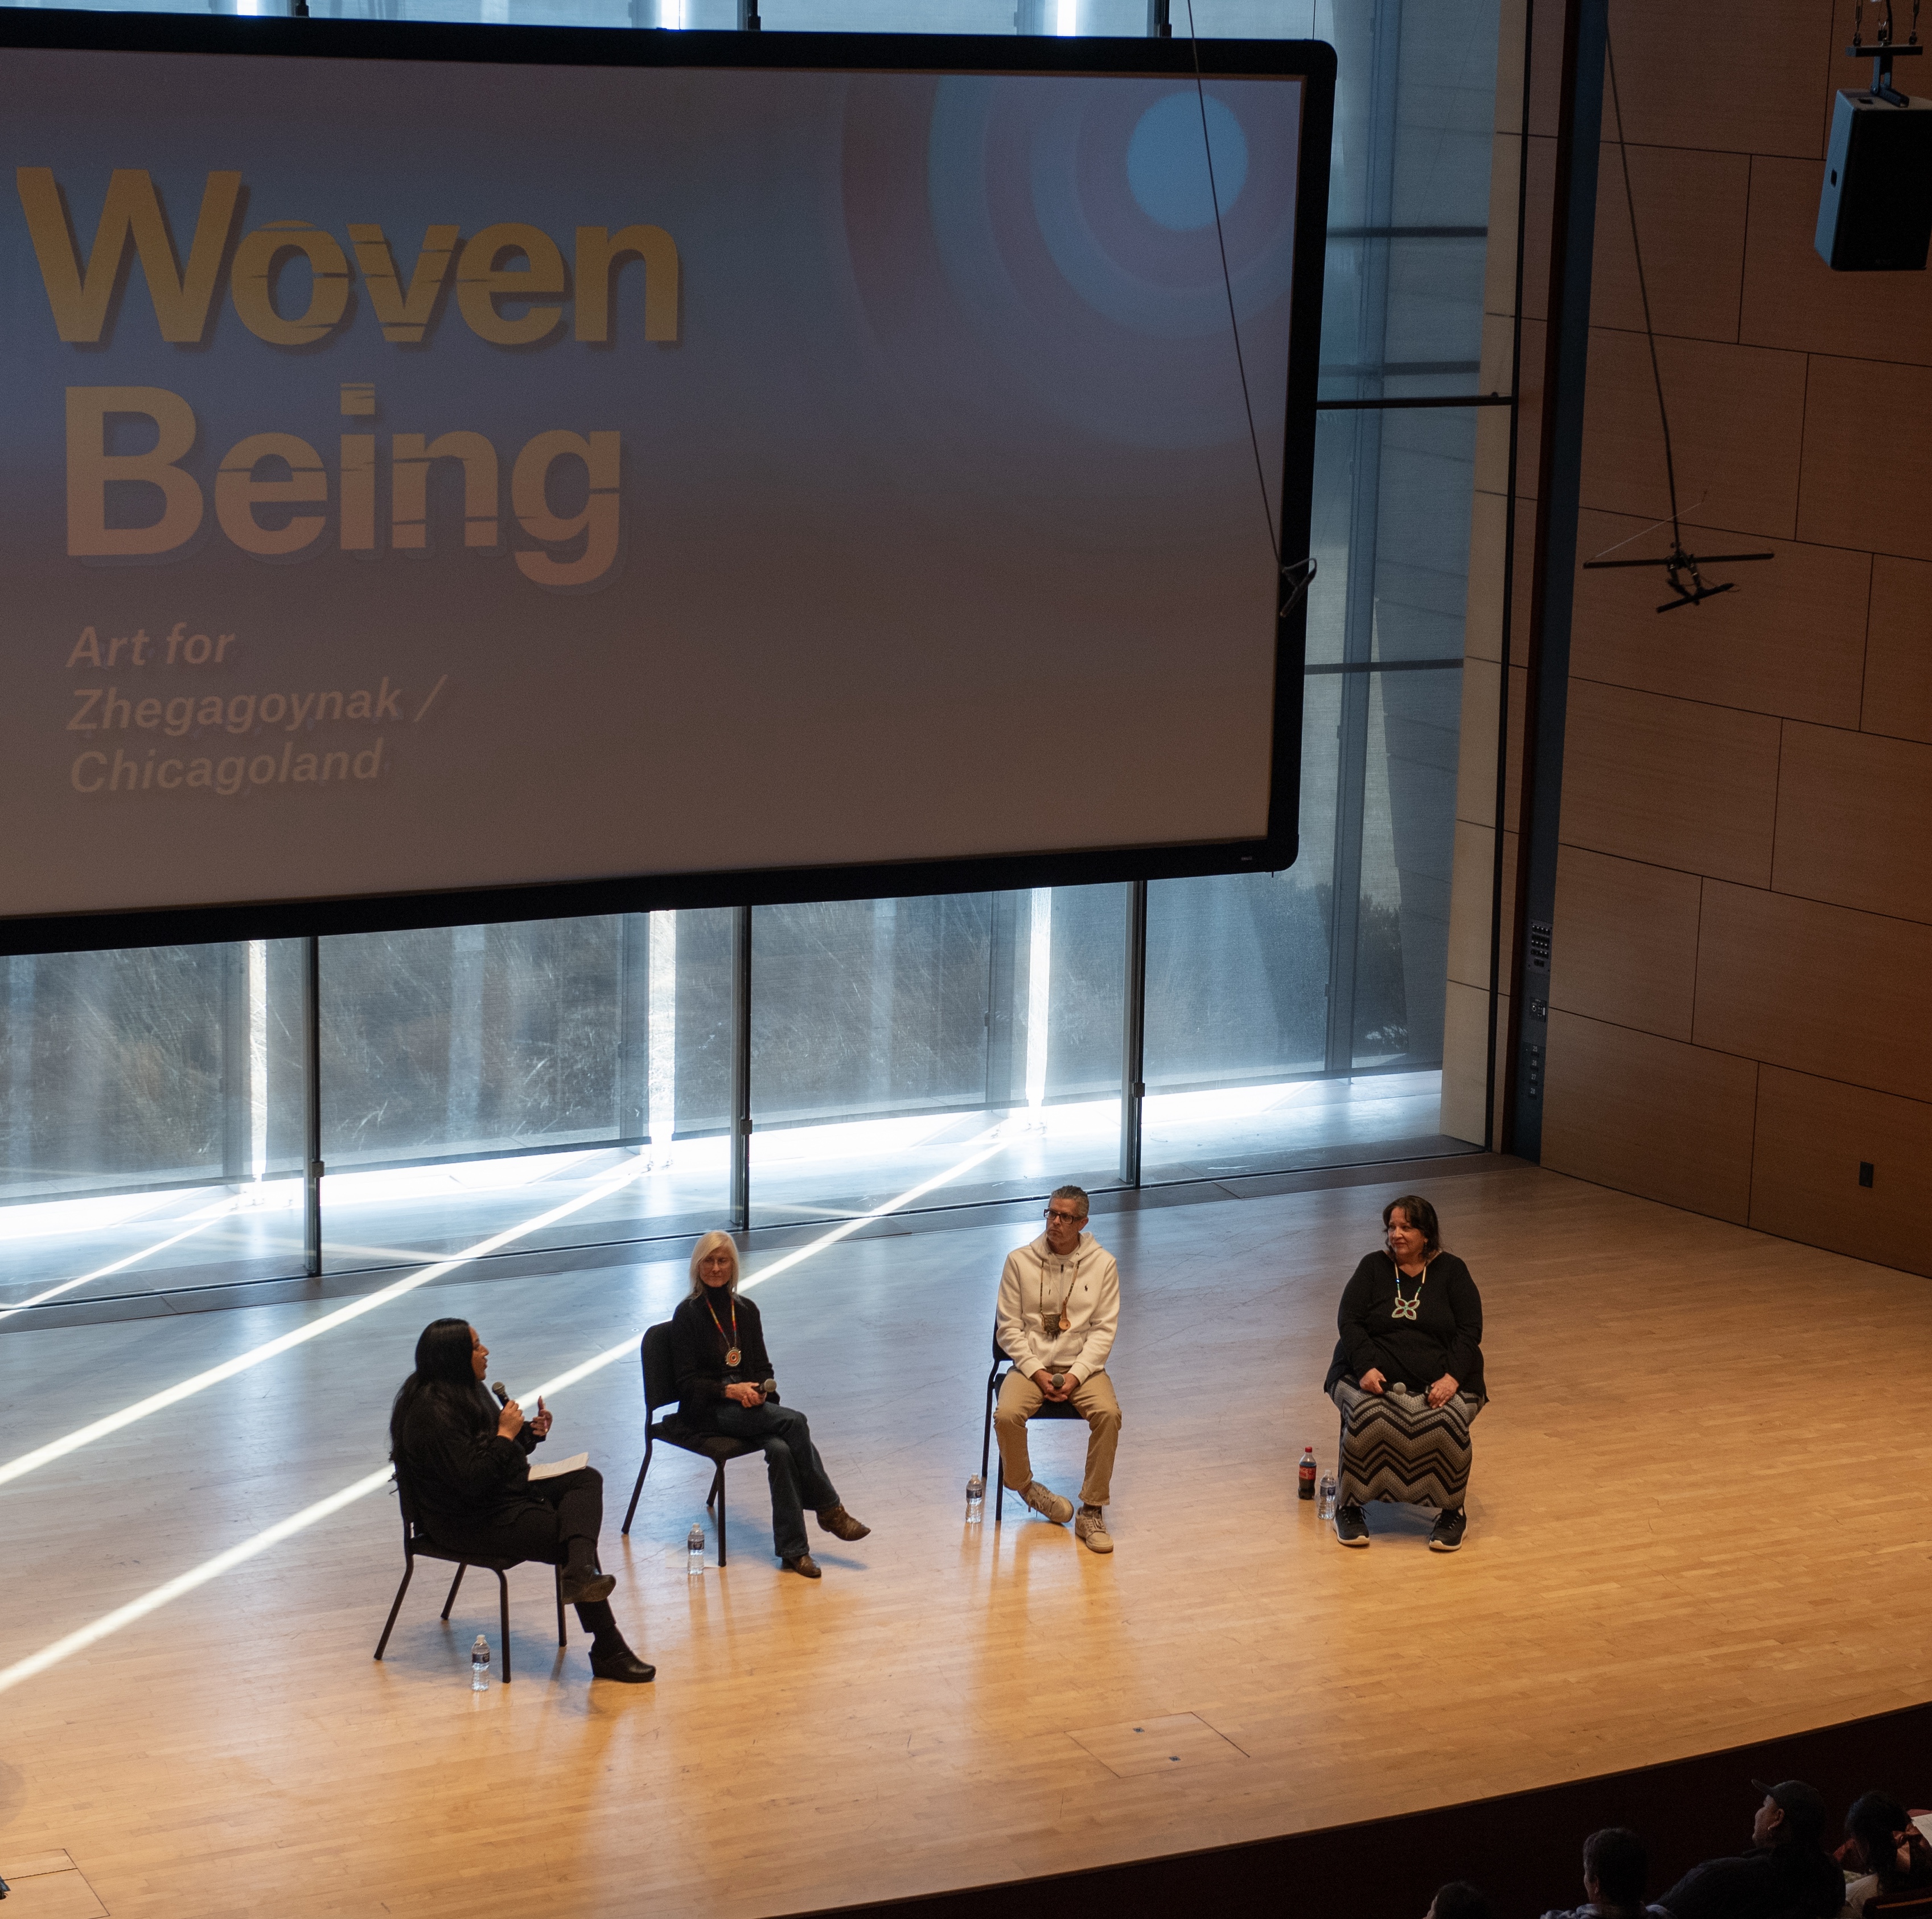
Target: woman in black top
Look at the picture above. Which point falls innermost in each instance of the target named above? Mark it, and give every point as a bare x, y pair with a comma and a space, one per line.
1408, 1377
467, 1462
725, 1385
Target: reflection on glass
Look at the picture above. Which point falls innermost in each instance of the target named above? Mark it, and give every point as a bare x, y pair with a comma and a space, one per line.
973, 1038
476, 1076
150, 1117
151, 1101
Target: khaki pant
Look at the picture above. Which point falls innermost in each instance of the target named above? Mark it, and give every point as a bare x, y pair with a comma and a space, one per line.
1093, 1399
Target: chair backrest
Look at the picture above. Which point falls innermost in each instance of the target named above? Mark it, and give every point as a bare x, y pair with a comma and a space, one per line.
1000, 1352
660, 1382
405, 1504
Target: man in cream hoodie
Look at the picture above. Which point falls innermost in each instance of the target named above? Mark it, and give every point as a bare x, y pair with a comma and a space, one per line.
1060, 1303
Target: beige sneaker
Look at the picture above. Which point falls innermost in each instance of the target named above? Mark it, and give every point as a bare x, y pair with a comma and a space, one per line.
1048, 1503
1091, 1526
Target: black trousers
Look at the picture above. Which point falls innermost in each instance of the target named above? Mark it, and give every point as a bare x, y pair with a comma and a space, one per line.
570, 1506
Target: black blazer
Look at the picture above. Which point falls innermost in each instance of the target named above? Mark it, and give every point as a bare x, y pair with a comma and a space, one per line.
462, 1473
1446, 1335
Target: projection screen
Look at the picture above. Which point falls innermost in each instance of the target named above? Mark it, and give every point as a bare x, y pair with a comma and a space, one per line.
453, 473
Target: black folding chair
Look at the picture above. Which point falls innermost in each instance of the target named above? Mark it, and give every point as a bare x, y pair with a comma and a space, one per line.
661, 1390
417, 1544
1049, 1409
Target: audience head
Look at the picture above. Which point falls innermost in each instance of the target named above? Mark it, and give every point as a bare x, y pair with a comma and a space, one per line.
1420, 1215
1873, 1825
1616, 1867
713, 1245
1459, 1899
1792, 1814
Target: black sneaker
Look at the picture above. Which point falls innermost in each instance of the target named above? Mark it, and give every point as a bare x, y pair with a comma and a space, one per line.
1449, 1529
1351, 1525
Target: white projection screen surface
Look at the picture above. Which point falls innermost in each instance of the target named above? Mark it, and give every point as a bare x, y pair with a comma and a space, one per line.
426, 477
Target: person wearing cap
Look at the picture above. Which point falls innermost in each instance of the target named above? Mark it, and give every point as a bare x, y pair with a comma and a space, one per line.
1059, 1307
1785, 1874
1616, 1867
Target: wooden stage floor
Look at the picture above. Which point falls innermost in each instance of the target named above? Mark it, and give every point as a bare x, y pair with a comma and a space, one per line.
1697, 1519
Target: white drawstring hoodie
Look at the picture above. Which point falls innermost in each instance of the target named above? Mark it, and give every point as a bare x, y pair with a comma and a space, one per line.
1036, 1280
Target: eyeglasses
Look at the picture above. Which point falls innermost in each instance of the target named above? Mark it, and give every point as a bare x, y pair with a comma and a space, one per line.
1065, 1218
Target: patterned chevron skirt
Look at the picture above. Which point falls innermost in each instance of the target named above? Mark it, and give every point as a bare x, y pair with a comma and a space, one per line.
1396, 1446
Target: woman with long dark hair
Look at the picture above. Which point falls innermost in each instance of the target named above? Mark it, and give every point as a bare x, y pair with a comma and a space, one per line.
1407, 1377
467, 1462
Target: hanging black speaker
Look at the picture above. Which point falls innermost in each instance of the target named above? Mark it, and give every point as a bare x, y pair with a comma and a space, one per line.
1876, 213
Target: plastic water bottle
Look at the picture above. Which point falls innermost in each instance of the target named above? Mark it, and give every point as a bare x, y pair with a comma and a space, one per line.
1305, 1474
1327, 1509
479, 1665
694, 1552
976, 1499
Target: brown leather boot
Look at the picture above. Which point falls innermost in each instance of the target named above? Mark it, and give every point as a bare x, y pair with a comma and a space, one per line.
840, 1525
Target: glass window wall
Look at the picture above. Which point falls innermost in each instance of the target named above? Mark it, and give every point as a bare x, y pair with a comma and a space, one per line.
572, 1082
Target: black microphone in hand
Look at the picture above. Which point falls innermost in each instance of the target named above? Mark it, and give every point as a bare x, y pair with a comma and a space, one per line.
502, 1392
769, 1389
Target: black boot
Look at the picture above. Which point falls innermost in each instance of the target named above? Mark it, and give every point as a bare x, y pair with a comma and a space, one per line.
582, 1584
611, 1658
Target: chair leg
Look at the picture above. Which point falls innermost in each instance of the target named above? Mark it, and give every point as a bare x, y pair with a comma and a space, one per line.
631, 1511
719, 1488
453, 1585
409, 1572
986, 1436
560, 1639
1000, 1494
503, 1596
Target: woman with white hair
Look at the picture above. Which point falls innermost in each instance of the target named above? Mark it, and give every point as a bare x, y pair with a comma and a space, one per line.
725, 1385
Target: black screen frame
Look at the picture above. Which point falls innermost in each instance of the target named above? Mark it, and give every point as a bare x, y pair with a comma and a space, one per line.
1311, 62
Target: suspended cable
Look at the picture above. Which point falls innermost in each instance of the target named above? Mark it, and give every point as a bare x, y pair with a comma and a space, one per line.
1300, 573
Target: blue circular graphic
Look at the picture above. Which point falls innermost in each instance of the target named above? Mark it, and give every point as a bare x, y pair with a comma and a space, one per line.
1167, 168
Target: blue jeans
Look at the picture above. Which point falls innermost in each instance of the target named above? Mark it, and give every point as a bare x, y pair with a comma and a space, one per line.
792, 1463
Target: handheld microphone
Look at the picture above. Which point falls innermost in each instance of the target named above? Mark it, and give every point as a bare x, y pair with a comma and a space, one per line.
770, 1386
502, 1392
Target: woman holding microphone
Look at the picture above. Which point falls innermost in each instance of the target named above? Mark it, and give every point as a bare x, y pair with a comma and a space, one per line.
467, 1462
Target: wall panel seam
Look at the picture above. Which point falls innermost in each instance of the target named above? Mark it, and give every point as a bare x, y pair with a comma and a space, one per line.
1808, 899
1864, 648
1849, 1085
1744, 263
1746, 533
1694, 1045
1697, 957
1624, 859
1800, 1072
1716, 706
1804, 428
1777, 804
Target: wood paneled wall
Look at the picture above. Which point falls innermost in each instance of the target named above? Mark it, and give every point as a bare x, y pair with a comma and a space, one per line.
1743, 939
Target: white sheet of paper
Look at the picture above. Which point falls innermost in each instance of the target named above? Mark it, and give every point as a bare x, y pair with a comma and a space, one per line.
551, 1471
1924, 1823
